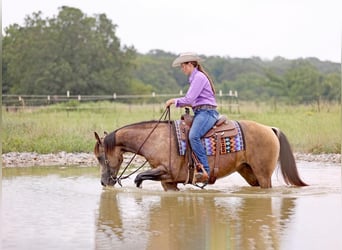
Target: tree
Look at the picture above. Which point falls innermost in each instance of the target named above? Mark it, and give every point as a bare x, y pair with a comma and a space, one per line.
154, 69
303, 81
82, 54
332, 87
300, 83
69, 52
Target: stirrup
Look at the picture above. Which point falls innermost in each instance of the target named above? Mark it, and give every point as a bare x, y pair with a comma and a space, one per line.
200, 186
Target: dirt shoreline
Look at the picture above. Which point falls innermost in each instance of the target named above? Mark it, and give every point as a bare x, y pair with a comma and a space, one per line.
28, 159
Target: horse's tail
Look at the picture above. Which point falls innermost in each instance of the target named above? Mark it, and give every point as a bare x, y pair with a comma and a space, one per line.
287, 161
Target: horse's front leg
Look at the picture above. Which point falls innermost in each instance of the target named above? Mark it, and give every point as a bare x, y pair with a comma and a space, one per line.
155, 174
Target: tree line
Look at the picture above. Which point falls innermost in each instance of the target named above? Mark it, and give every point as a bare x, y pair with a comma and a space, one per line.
82, 54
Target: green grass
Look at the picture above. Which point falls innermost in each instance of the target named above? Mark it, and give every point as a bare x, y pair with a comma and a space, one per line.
71, 128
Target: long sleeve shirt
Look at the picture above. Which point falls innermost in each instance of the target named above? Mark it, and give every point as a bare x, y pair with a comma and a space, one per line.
199, 92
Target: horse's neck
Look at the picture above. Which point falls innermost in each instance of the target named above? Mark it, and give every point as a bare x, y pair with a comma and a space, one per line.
132, 138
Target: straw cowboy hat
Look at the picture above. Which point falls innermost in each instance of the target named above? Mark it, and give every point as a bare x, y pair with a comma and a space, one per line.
186, 57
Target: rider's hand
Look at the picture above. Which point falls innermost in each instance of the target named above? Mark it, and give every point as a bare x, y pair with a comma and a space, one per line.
170, 102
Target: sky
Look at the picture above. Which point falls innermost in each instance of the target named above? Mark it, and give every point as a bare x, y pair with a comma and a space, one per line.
228, 28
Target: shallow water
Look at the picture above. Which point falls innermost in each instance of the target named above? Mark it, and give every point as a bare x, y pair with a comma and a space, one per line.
66, 208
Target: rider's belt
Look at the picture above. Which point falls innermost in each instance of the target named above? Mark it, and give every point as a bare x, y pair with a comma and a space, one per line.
205, 106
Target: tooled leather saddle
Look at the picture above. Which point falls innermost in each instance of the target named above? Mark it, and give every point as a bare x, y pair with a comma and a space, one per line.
222, 128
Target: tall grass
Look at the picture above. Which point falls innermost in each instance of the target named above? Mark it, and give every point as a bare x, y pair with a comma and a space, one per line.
71, 128
307, 129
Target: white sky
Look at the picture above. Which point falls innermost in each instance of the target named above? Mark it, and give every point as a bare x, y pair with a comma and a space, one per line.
235, 28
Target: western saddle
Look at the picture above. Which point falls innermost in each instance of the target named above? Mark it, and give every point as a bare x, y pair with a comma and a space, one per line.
222, 128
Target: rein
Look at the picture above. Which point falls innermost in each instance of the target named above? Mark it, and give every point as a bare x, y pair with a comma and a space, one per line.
165, 115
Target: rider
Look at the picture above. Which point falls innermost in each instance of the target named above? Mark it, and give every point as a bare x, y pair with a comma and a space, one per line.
201, 97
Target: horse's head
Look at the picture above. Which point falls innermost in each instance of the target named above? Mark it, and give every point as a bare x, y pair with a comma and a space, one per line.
109, 157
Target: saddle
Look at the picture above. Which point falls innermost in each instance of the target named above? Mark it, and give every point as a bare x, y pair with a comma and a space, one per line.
222, 128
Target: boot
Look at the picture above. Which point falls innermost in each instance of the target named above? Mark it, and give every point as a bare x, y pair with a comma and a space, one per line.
202, 177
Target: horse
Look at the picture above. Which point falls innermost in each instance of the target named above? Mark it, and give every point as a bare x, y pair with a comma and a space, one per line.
265, 146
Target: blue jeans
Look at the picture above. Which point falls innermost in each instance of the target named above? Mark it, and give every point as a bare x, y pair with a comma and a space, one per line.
203, 121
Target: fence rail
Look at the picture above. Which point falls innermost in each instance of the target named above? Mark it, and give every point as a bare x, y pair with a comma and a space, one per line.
16, 102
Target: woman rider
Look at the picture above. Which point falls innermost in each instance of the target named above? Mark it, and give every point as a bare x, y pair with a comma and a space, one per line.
201, 97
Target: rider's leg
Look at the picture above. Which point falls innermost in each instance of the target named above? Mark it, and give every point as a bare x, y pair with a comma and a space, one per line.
203, 121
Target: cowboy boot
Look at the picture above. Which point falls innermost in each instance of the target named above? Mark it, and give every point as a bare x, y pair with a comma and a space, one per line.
203, 175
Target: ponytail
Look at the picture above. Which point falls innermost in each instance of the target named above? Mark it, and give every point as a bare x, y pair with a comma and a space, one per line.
200, 68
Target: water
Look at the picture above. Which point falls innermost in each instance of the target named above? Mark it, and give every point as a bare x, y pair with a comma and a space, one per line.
66, 208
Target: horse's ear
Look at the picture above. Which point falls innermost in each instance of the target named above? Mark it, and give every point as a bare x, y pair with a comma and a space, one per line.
97, 138
105, 133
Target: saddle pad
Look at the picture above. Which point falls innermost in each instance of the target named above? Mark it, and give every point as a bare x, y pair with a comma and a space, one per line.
227, 144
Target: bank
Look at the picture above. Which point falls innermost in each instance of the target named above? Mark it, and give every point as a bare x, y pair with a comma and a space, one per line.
30, 159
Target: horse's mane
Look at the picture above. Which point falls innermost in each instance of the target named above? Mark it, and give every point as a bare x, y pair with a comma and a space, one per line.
109, 140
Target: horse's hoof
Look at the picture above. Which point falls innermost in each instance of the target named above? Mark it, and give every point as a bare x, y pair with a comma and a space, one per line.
138, 183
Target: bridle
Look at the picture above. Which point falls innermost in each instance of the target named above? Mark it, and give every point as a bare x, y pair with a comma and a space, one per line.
164, 116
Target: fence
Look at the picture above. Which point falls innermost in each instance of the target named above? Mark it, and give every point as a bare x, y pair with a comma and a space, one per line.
19, 102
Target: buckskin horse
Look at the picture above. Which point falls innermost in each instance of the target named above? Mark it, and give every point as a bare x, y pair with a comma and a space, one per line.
263, 148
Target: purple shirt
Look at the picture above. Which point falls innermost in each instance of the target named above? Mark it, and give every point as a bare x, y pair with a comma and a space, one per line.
199, 92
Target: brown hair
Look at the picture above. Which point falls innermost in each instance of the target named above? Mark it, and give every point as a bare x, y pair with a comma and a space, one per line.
200, 68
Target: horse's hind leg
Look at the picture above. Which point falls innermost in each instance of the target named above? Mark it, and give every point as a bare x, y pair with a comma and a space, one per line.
247, 173
259, 173
263, 170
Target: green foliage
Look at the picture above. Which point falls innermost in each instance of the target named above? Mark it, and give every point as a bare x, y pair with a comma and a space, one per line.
82, 54
153, 69
281, 80
69, 52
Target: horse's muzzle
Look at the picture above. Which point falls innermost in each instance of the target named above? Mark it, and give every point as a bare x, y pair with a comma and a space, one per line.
108, 181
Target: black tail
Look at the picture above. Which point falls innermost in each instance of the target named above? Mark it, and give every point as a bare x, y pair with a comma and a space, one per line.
287, 161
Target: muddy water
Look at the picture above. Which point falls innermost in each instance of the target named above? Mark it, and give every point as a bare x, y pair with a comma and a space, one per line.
66, 208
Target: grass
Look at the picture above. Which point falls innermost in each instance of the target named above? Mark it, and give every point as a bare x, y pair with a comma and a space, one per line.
71, 128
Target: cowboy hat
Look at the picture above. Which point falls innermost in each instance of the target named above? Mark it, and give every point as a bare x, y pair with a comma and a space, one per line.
186, 57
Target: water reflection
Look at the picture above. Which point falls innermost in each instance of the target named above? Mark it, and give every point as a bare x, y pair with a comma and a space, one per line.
66, 208
129, 220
